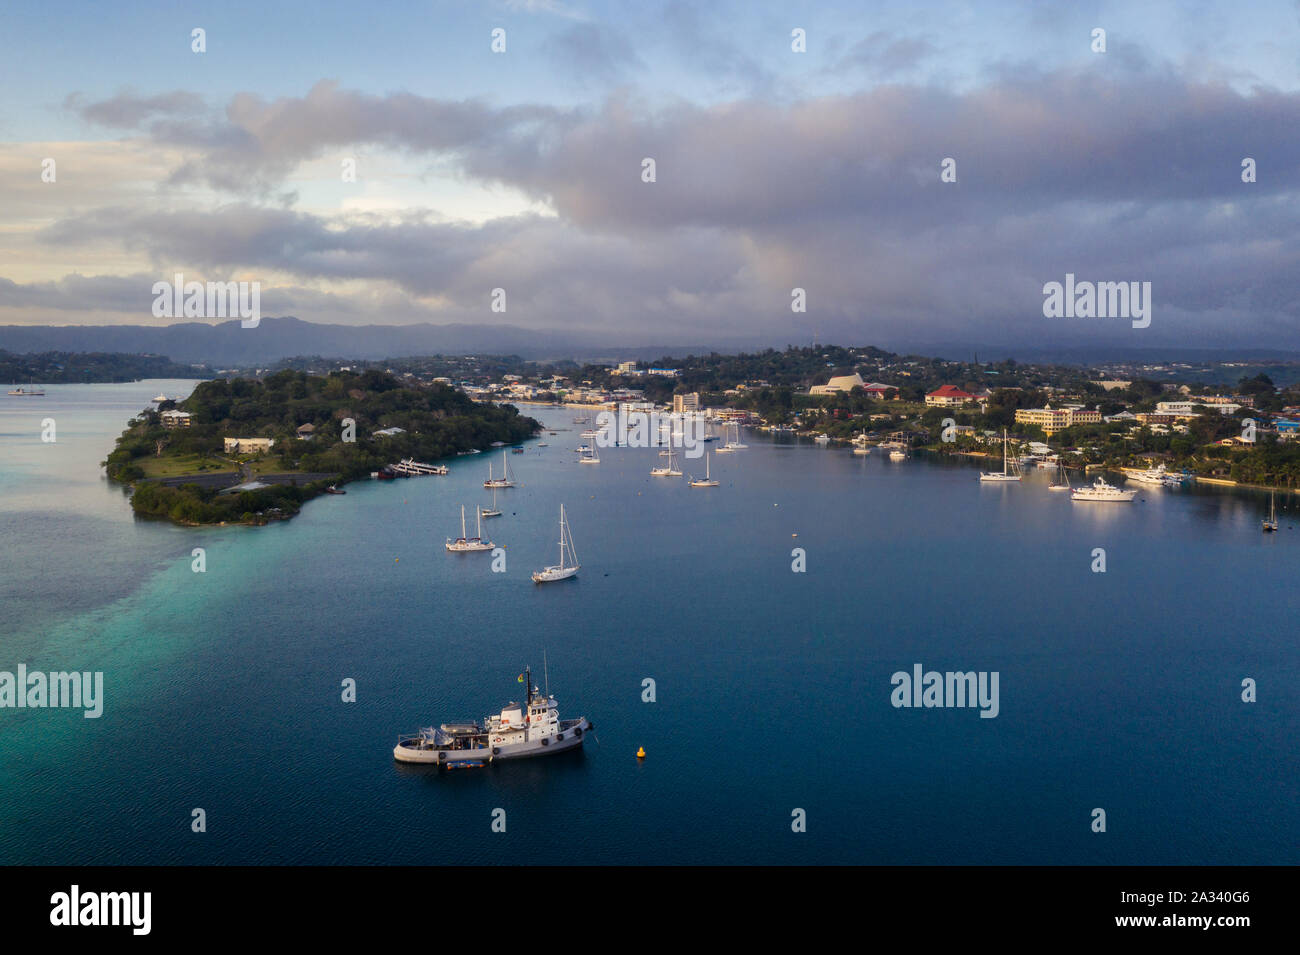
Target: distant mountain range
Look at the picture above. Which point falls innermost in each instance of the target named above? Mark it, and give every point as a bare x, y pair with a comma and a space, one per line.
228, 345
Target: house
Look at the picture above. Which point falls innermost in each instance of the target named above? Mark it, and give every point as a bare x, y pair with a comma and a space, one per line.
248, 445
175, 419
306, 431
948, 396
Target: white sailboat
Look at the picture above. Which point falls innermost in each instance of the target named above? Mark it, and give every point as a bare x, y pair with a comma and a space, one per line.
860, 444
490, 511
1270, 525
504, 480
1005, 474
708, 479
464, 543
1062, 481
671, 470
590, 456
568, 565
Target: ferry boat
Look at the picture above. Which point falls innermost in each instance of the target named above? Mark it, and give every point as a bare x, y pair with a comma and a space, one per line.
21, 392
1102, 492
568, 565
465, 544
517, 732
411, 466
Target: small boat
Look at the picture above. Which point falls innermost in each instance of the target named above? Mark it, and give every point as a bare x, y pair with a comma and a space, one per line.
21, 392
590, 458
518, 450
568, 565
1270, 525
155, 398
1102, 493
1062, 481
334, 490
383, 474
582, 448
708, 480
490, 511
671, 470
464, 544
822, 439
534, 729
504, 480
1005, 474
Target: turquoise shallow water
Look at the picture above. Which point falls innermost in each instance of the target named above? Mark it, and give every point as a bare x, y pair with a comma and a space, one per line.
1118, 690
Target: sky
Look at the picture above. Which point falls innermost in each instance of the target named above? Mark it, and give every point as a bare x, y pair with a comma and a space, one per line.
774, 169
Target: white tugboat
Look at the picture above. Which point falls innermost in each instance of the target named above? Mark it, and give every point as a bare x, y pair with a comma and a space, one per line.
518, 731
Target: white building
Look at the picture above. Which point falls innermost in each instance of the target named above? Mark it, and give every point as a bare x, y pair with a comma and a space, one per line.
248, 445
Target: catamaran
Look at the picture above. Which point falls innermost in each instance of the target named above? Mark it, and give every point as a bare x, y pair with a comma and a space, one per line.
1005, 474
1270, 525
464, 543
504, 480
568, 565
534, 729
1102, 493
708, 480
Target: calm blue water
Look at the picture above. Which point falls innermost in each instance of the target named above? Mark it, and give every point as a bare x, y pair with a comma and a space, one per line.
1118, 690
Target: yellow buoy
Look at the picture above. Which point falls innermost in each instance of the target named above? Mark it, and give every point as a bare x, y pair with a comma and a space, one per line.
640, 752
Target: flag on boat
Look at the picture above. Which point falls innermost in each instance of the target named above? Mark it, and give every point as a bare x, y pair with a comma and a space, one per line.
521, 678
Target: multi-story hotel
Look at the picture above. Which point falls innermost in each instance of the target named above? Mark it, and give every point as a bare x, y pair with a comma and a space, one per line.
1052, 420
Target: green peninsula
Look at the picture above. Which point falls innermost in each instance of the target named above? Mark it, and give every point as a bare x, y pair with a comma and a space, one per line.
251, 451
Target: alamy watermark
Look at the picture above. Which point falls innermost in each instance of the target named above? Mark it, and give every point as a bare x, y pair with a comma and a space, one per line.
651, 429
1098, 300
181, 299
37, 690
930, 688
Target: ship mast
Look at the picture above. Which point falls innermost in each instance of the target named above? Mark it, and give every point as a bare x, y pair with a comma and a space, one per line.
528, 675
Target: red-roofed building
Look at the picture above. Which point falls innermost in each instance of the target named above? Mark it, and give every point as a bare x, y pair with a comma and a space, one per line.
948, 396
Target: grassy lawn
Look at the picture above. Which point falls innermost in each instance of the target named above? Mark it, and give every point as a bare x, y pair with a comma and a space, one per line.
175, 465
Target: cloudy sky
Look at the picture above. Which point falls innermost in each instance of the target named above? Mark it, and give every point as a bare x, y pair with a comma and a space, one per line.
775, 169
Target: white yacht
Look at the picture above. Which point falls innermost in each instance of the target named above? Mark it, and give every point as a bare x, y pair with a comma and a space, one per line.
707, 480
1156, 475
568, 565
1102, 492
464, 544
1005, 474
533, 729
822, 439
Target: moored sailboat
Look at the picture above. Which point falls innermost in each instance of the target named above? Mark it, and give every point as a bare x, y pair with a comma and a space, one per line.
1005, 474
568, 565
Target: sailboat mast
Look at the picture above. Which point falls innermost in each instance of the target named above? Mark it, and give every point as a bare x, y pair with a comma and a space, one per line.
462, 522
